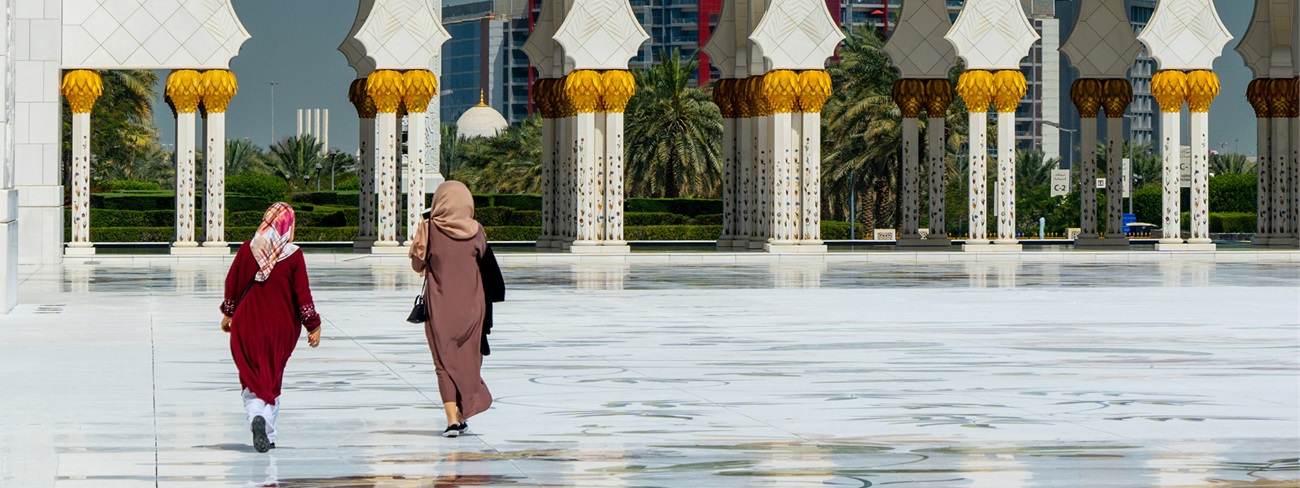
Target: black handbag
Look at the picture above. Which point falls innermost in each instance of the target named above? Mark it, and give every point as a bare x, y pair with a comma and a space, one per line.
419, 311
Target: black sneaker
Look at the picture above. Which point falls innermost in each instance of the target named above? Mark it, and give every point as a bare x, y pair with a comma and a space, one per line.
453, 430
260, 442
463, 428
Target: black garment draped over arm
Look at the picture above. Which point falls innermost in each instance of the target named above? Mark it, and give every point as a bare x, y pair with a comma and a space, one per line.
494, 290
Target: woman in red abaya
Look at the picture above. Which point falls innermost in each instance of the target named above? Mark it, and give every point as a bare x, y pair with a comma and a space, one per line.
268, 303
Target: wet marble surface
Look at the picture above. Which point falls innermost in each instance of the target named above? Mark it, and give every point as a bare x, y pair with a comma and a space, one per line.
964, 374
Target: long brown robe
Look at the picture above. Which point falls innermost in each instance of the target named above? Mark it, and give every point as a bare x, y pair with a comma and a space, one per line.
456, 306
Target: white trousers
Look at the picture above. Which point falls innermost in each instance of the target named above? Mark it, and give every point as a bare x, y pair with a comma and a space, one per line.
255, 407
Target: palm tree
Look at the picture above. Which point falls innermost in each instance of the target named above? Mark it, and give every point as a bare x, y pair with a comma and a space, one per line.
295, 160
862, 128
448, 149
124, 127
513, 160
242, 156
1230, 164
674, 133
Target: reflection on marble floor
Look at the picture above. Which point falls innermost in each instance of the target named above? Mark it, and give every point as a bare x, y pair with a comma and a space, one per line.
965, 375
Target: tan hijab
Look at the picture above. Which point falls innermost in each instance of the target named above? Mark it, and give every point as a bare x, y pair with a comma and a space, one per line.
453, 211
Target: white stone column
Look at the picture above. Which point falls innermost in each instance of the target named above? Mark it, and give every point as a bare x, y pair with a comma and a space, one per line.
1200, 132
723, 96
763, 195
184, 91
1171, 132
366, 173
911, 175
811, 229
1286, 179
598, 179
618, 86
582, 89
80, 244
419, 87
978, 165
386, 169
1264, 181
1115, 180
1088, 179
1006, 204
938, 172
781, 150
746, 142
214, 203
550, 143
8, 195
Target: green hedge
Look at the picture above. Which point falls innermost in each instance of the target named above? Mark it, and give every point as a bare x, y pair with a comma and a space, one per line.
1233, 222
710, 219
672, 232
267, 187
836, 231
166, 201
344, 198
100, 217
512, 233
508, 217
518, 202
303, 218
690, 207
300, 234
1234, 193
128, 185
653, 218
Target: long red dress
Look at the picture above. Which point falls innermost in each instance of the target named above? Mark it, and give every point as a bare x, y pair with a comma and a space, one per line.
269, 320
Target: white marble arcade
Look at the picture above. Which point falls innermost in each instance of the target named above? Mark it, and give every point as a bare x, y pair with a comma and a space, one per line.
964, 374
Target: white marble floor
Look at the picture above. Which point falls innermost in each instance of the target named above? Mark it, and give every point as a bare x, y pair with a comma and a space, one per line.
969, 374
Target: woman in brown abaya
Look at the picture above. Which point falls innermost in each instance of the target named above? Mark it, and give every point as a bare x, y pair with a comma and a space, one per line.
446, 251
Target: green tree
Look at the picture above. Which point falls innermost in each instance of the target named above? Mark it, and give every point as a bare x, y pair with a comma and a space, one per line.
122, 125
1230, 164
512, 160
862, 132
294, 159
242, 156
674, 133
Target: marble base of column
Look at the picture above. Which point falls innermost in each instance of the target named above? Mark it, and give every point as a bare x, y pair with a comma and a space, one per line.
1185, 246
79, 249
929, 242
363, 244
381, 249
992, 247
1101, 242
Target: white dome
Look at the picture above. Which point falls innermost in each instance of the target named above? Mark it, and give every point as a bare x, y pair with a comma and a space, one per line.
480, 121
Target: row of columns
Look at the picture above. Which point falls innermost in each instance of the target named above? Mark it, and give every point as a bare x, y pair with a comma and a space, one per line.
1277, 105
1003, 89
381, 100
771, 153
1090, 96
912, 95
582, 166
188, 92
1171, 88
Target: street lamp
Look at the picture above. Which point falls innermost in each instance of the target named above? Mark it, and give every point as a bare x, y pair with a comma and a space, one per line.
318, 169
1063, 129
306, 179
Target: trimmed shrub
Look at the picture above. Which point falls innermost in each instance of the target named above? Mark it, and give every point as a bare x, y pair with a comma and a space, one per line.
672, 232
653, 218
125, 218
128, 185
343, 198
128, 201
241, 203
509, 217
267, 187
512, 233
710, 219
347, 182
1233, 222
518, 202
1147, 204
300, 234
690, 207
1234, 193
303, 218
835, 231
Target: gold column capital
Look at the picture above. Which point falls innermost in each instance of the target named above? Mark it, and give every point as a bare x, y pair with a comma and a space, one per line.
419, 86
1118, 94
814, 89
759, 105
976, 88
741, 98
81, 87
583, 89
617, 87
781, 89
722, 97
386, 88
939, 96
361, 100
1087, 95
1202, 87
1257, 93
909, 95
184, 90
1282, 99
1011, 88
1169, 87
540, 100
218, 86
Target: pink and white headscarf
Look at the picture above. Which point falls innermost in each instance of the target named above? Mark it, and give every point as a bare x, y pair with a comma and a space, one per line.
274, 240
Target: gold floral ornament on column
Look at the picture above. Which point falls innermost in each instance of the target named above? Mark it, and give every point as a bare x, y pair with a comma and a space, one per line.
814, 90
583, 89
976, 88
781, 89
938, 94
742, 98
419, 88
909, 95
1011, 88
81, 88
1116, 95
1169, 89
1282, 99
617, 88
386, 88
361, 100
1087, 95
1202, 87
218, 86
722, 97
1257, 93
184, 90
759, 105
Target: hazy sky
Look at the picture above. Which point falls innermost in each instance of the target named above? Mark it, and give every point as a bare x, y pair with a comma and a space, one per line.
295, 44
